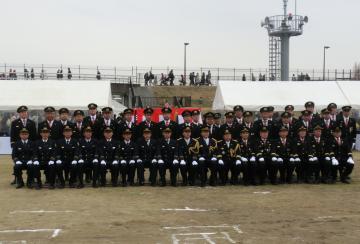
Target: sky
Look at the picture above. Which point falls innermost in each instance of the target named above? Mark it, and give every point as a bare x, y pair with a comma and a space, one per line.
221, 33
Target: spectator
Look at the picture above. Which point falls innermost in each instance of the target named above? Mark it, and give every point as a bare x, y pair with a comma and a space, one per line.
192, 78
203, 79
26, 74
293, 77
14, 75
32, 74
146, 78
98, 75
171, 77
163, 80
253, 77
42, 74
208, 78
197, 79
244, 77
151, 77
69, 74
307, 77
58, 74
182, 81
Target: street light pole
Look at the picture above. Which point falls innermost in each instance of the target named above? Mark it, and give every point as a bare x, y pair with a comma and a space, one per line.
185, 44
325, 47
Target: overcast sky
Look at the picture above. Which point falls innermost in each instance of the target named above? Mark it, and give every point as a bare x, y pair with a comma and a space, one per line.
223, 33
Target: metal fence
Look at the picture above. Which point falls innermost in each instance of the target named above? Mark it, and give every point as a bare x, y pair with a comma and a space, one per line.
136, 73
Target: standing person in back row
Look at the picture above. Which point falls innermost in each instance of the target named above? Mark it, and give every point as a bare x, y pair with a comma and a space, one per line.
53, 125
347, 126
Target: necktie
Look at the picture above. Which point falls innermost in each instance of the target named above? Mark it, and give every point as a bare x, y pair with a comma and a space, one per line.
92, 119
346, 121
24, 122
67, 142
167, 123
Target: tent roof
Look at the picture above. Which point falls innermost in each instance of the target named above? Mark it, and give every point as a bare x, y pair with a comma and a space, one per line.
254, 95
37, 94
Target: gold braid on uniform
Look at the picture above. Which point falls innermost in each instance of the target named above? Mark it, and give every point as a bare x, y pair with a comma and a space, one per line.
195, 148
233, 151
213, 148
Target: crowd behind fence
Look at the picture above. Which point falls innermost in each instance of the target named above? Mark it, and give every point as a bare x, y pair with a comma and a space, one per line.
161, 75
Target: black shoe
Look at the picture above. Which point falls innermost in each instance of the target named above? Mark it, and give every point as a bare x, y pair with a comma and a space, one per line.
71, 185
20, 185
124, 184
345, 181
94, 185
163, 184
38, 186
29, 185
51, 187
80, 186
13, 182
141, 184
62, 186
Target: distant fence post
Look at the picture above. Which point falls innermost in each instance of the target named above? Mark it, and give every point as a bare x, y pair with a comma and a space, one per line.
5, 68
136, 72
218, 74
234, 73
350, 78
79, 72
115, 73
335, 74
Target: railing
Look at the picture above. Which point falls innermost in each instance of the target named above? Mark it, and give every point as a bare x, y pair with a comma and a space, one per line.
136, 74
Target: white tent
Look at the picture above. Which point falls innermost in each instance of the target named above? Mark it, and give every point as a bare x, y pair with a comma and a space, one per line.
74, 94
254, 95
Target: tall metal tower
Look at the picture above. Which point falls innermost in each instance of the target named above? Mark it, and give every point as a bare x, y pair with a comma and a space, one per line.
280, 29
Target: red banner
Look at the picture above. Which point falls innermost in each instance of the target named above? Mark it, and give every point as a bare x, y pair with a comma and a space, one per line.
157, 115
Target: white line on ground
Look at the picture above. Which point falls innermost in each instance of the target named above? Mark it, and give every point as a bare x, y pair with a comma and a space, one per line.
188, 209
55, 232
262, 192
40, 211
235, 227
13, 242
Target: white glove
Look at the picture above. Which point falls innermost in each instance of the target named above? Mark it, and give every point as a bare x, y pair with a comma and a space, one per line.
194, 163
182, 162
221, 162
253, 159
74, 162
115, 162
245, 160
274, 159
29, 162
81, 161
353, 146
154, 161
261, 160
311, 159
139, 161
238, 162
201, 159
280, 160
18, 162
51, 162
131, 161
95, 161
214, 159
161, 161
297, 160
103, 162
36, 163
350, 160
327, 159
334, 161
292, 160
123, 162
315, 159
175, 161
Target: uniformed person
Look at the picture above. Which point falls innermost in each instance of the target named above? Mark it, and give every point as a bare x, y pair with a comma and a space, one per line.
248, 123
332, 108
320, 162
53, 125
218, 123
105, 122
168, 157
228, 159
147, 150
210, 123
327, 124
285, 122
79, 124
282, 150
22, 122
310, 106
247, 154
67, 158
186, 114
44, 157
64, 118
207, 157
92, 118
301, 153
347, 126
195, 124
290, 109
109, 157
342, 160
22, 156
129, 158
128, 123
265, 121
188, 154
230, 126
265, 160
306, 122
238, 112
168, 123
88, 158
147, 124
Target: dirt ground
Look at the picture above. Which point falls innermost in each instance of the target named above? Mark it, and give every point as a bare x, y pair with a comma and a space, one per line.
231, 214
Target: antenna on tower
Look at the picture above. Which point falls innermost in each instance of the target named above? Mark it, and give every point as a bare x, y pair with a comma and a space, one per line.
280, 28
